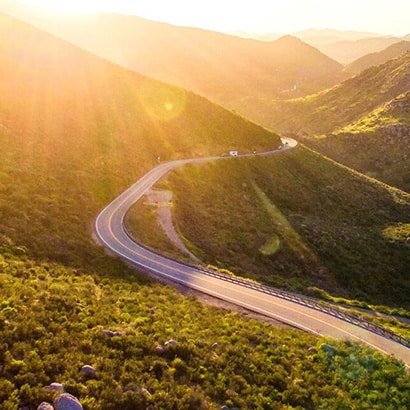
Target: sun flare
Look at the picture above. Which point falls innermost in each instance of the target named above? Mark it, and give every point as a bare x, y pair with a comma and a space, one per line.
69, 6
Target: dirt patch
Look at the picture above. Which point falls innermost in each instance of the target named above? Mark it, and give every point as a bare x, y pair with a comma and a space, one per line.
162, 199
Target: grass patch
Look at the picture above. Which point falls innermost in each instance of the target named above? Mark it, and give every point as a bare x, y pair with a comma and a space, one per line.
271, 246
141, 222
398, 233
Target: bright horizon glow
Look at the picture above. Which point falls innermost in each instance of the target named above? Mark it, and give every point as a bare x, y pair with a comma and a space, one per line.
255, 16
70, 6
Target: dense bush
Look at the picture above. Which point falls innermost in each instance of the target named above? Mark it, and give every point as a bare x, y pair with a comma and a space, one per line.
51, 323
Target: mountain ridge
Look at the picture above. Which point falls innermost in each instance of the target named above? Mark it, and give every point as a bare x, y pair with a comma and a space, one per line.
378, 58
342, 104
187, 57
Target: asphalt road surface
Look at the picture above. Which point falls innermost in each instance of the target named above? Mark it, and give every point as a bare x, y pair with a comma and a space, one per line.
109, 226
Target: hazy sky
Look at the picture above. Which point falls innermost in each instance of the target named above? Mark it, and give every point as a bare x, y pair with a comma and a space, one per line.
259, 16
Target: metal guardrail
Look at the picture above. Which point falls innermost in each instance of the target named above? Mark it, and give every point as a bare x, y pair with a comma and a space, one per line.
293, 297
311, 303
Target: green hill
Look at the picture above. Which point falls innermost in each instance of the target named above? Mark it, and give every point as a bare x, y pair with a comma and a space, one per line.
343, 104
378, 58
74, 131
52, 320
377, 145
299, 221
363, 122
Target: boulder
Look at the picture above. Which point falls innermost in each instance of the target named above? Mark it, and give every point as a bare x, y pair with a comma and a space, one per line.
159, 349
146, 392
111, 333
45, 406
56, 387
87, 369
67, 401
171, 342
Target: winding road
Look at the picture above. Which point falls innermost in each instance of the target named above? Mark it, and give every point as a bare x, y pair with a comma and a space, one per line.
109, 226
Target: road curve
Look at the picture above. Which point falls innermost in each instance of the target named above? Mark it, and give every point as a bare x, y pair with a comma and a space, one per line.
109, 227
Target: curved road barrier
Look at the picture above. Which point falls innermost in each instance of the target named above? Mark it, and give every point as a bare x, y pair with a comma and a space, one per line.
305, 313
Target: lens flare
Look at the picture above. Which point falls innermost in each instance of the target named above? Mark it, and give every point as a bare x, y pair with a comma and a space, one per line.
162, 103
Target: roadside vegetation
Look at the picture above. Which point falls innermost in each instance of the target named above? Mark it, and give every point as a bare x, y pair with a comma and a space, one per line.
335, 226
52, 320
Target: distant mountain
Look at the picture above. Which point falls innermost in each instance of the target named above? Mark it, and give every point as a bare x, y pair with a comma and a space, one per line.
221, 67
261, 37
380, 57
314, 37
346, 52
317, 37
342, 46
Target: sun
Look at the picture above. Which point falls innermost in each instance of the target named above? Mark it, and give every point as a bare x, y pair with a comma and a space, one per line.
69, 6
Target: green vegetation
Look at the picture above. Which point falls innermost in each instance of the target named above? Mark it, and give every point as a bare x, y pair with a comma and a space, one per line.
341, 105
380, 57
142, 224
51, 323
394, 112
376, 145
74, 132
332, 224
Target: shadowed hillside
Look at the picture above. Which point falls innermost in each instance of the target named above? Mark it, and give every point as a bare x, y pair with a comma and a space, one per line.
300, 221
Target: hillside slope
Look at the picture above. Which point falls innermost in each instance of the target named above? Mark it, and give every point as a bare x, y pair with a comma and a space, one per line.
54, 320
345, 52
75, 130
377, 145
378, 58
343, 104
221, 67
300, 221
